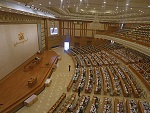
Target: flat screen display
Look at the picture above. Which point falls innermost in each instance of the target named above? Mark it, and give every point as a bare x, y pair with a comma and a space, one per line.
54, 31
66, 46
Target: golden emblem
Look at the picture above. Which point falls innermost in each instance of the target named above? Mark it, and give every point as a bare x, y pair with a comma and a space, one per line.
21, 39
21, 36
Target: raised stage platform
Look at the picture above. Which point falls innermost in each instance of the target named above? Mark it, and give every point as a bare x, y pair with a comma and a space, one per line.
14, 88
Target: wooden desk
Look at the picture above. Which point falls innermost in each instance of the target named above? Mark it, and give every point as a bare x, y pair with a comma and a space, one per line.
142, 110
125, 92
94, 102
135, 93
140, 76
70, 85
53, 108
32, 63
113, 82
72, 98
104, 82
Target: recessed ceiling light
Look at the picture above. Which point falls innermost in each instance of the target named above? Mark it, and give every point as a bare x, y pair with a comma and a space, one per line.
49, 2
117, 7
0, 7
2, 10
18, 2
149, 6
94, 8
131, 8
104, 2
40, 4
127, 4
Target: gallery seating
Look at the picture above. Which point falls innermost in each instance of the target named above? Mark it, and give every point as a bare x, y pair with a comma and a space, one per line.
139, 34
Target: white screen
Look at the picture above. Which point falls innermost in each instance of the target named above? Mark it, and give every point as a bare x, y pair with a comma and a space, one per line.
66, 45
54, 31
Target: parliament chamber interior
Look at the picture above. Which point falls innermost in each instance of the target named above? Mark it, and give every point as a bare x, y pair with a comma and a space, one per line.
75, 56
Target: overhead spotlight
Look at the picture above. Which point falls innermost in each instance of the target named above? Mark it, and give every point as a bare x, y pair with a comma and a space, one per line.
149, 6
127, 4
104, 2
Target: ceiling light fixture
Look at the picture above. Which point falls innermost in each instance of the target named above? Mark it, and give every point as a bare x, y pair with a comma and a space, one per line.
127, 4
149, 6
104, 2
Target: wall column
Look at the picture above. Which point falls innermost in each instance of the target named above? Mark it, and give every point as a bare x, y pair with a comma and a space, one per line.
39, 36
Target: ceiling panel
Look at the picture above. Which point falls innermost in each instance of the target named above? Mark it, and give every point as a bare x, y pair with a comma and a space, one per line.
106, 10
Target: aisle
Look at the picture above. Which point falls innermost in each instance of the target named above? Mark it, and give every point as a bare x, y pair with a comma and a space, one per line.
60, 79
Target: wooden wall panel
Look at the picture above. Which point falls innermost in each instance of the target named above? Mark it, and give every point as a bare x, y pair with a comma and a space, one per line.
14, 55
78, 32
